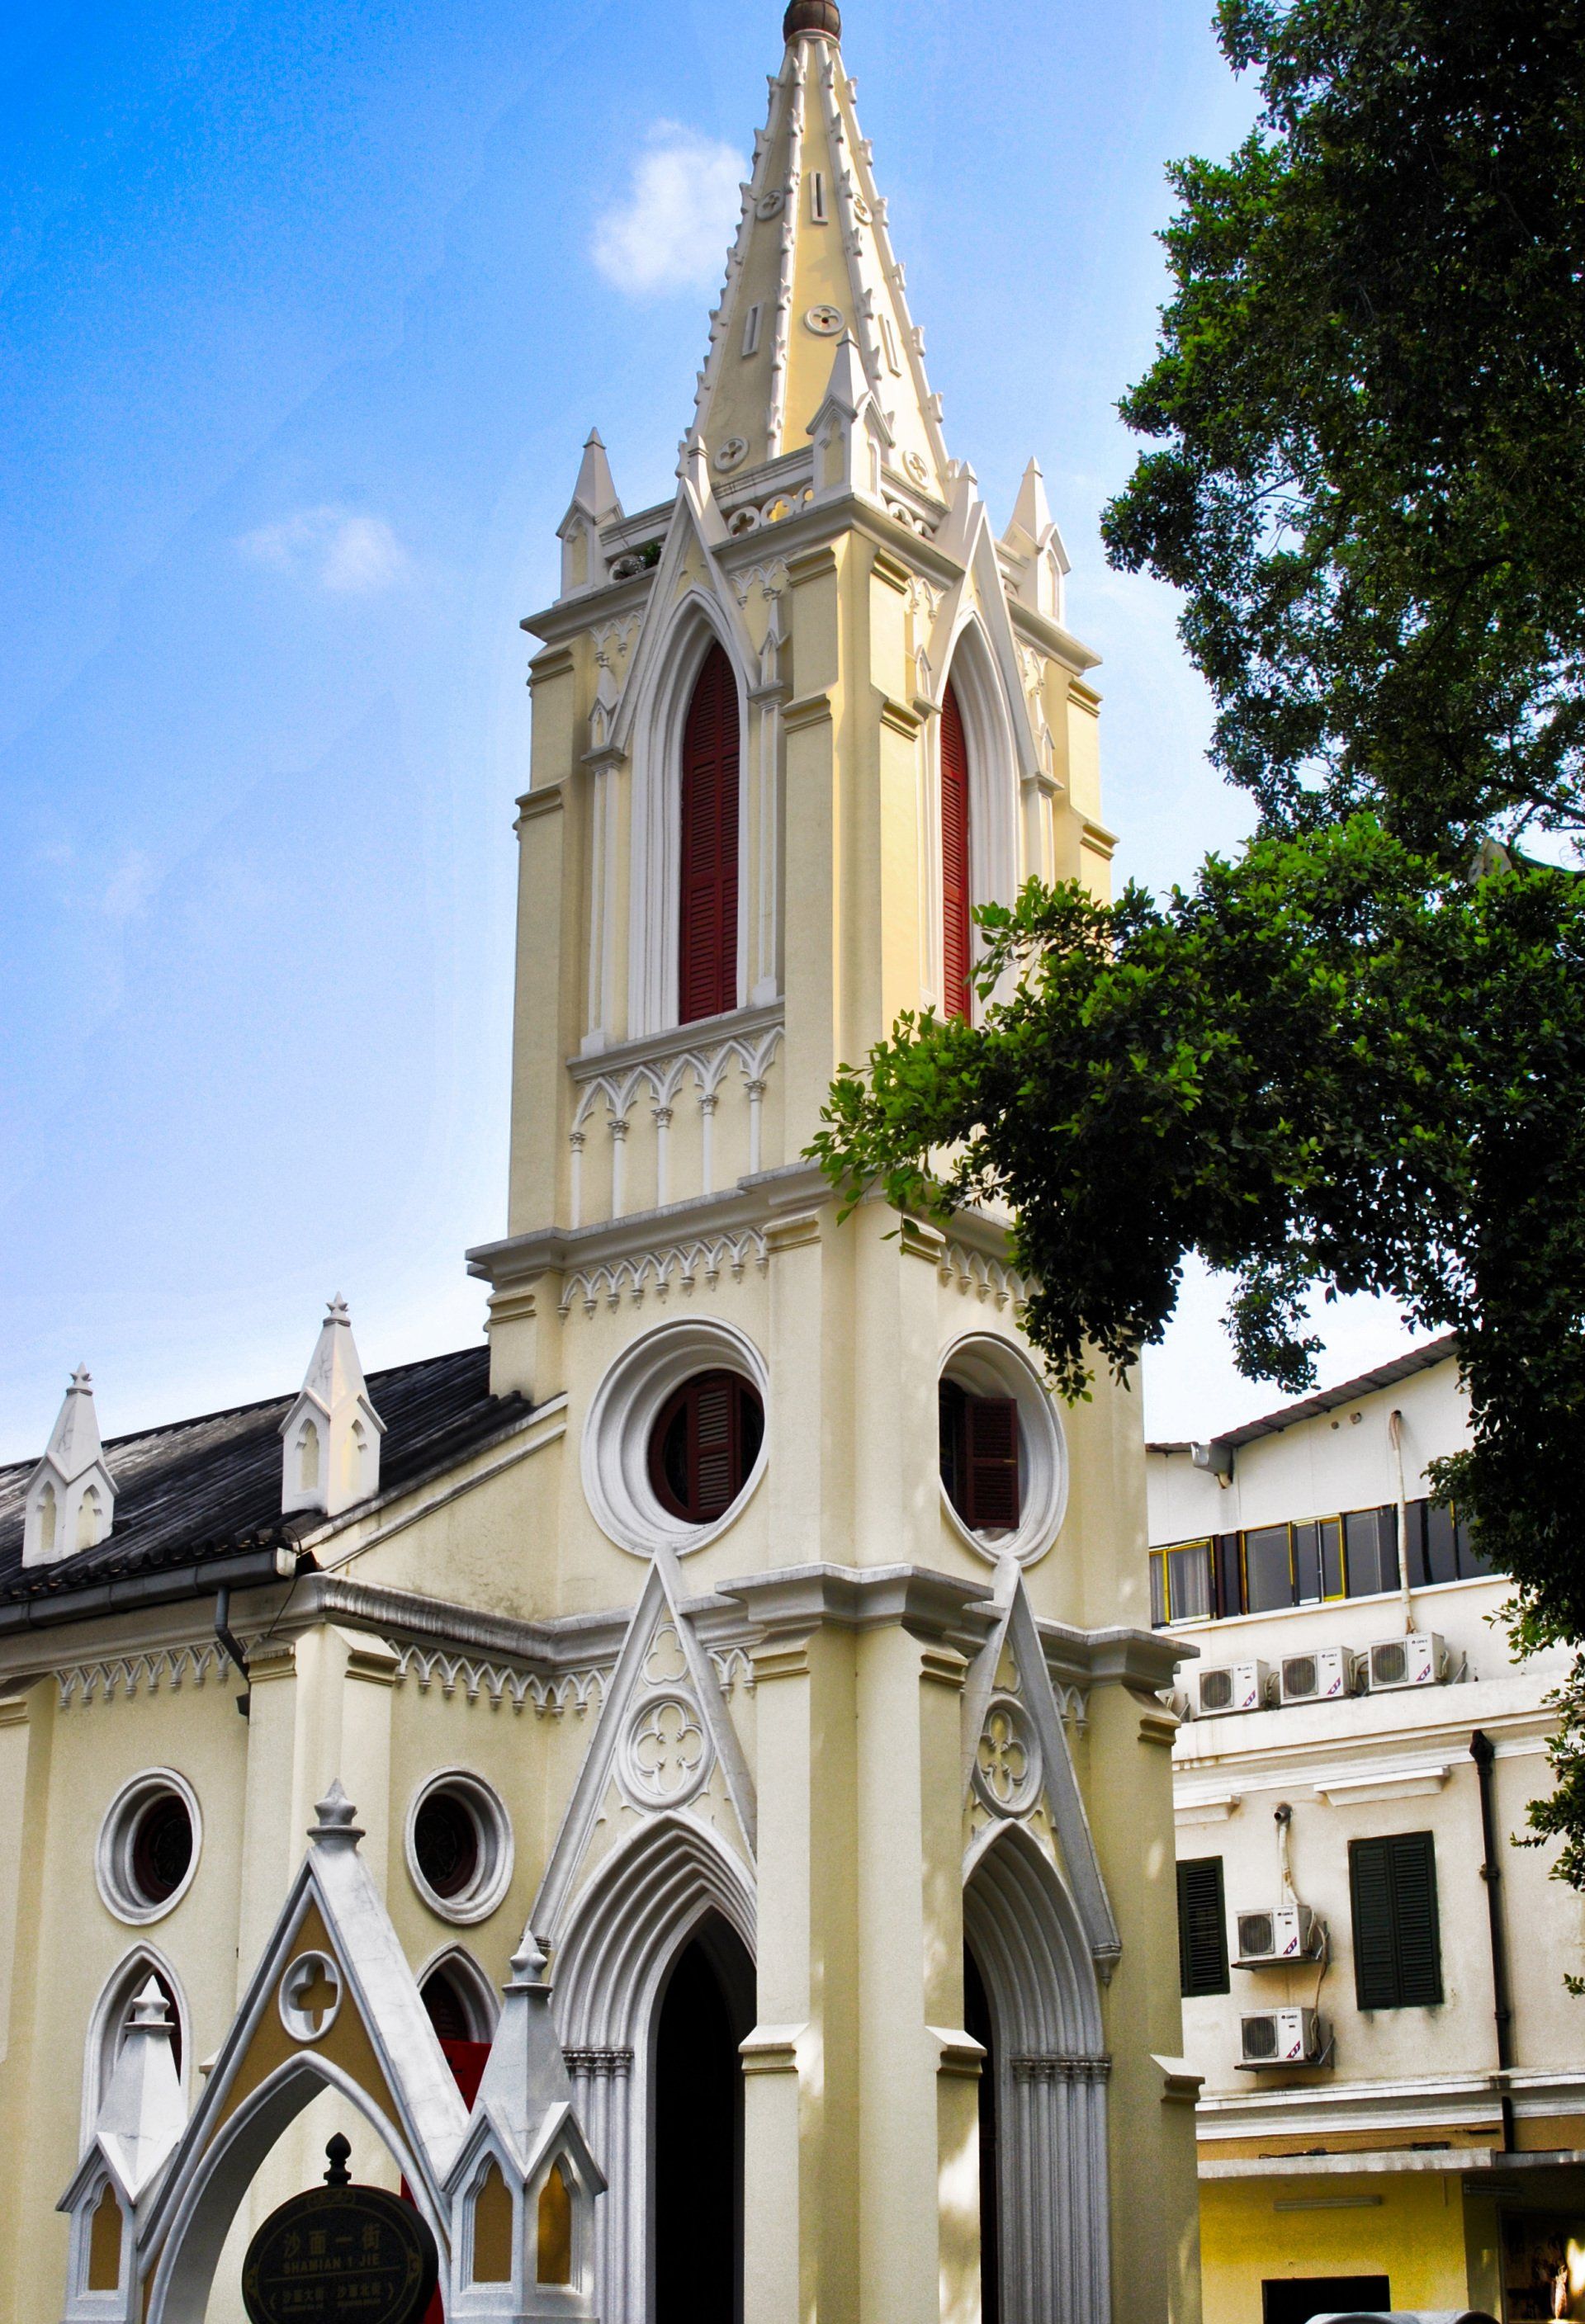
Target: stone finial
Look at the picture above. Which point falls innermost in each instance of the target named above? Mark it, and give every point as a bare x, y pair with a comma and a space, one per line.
528, 1963
594, 503
851, 433
141, 2115
526, 2071
1034, 547
69, 1503
331, 1436
335, 1825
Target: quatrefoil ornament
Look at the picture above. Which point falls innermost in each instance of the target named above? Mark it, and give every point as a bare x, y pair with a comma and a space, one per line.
1006, 1764
666, 1754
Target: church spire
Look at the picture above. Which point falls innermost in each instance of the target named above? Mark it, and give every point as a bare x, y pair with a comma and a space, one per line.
812, 260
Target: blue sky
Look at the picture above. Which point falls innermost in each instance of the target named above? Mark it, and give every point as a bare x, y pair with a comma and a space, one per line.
304, 313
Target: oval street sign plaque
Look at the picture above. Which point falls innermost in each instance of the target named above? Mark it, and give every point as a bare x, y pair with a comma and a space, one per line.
340, 2255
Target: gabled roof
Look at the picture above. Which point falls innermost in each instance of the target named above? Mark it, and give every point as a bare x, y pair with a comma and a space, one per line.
206, 1488
1327, 1399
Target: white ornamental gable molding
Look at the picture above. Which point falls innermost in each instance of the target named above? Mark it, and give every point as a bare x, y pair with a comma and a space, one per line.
70, 1500
509, 2189
331, 1438
1016, 1751
665, 1732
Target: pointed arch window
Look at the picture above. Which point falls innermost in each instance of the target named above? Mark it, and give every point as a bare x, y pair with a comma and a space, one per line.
707, 977
956, 924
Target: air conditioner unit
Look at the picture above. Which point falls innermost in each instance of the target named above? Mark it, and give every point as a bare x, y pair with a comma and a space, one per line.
1325, 1675
1419, 1660
1281, 2037
1284, 1933
1235, 1686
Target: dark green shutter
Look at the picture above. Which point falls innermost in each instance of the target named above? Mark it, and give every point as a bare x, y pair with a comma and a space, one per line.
1397, 1951
1203, 1928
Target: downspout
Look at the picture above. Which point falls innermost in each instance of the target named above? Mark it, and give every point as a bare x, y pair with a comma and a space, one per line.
1482, 1753
1395, 1436
231, 1646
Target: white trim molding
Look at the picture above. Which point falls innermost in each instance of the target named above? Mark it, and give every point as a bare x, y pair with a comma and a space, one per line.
118, 1835
621, 1414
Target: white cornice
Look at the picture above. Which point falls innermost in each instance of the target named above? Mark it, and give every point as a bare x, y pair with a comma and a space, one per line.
518, 1259
746, 1025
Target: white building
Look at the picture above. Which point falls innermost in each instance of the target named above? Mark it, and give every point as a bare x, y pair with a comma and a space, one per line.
1392, 2104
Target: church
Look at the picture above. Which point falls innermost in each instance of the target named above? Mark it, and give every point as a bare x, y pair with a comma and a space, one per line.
683, 1789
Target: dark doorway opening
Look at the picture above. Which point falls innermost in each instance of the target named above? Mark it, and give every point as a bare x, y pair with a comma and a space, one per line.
706, 2010
977, 2021
1295, 2298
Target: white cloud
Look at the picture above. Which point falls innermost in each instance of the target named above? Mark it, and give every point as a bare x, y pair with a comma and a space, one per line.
351, 556
128, 888
671, 230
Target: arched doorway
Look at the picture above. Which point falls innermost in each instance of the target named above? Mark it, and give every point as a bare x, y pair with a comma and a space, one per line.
980, 2026
672, 1884
1049, 2190
705, 2012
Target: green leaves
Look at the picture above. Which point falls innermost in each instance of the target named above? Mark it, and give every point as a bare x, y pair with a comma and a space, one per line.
1349, 1059
1331, 1062
1370, 392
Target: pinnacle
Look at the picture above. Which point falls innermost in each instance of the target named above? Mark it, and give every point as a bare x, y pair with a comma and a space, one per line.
819, 16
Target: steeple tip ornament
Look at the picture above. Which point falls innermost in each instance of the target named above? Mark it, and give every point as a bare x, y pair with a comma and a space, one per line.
334, 1826
820, 16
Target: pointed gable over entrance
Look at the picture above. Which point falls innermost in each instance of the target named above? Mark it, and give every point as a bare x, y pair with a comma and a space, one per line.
333, 2005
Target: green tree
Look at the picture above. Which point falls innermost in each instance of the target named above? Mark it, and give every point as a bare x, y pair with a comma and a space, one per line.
1355, 1058
1370, 400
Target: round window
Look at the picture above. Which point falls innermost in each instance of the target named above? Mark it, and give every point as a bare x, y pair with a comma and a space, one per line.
460, 1847
148, 1845
446, 1842
162, 1848
1004, 1464
675, 1439
703, 1445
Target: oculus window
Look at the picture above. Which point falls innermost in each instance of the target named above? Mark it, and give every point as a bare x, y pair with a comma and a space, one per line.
704, 1444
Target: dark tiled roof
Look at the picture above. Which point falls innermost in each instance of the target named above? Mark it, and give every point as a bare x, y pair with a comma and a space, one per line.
209, 1488
1327, 1399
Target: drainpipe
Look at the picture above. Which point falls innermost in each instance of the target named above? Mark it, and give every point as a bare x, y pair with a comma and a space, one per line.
1395, 1437
1482, 1753
231, 1646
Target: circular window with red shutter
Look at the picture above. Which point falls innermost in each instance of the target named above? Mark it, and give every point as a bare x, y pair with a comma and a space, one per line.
1003, 1463
675, 1439
704, 1444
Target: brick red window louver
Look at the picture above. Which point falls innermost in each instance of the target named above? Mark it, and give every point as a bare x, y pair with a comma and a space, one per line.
980, 1458
707, 978
955, 920
704, 1444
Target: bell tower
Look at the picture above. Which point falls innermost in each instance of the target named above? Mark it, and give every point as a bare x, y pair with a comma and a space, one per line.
792, 723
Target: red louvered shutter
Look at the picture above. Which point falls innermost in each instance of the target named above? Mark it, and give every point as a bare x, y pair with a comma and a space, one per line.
714, 1409
707, 980
991, 1462
955, 921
